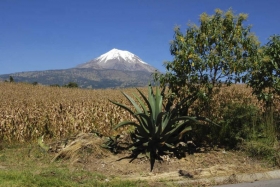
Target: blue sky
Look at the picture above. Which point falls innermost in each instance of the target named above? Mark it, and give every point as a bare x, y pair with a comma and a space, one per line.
60, 34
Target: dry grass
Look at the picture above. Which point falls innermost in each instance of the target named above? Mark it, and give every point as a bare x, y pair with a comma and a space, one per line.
81, 142
84, 151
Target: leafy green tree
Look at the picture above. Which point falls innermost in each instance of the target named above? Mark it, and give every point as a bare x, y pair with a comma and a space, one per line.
217, 51
11, 79
35, 83
265, 75
72, 85
55, 85
264, 79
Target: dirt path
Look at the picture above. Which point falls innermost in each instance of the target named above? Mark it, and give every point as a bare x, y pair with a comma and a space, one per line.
205, 163
199, 165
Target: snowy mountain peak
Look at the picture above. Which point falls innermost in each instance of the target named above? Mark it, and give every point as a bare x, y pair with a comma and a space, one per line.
120, 55
118, 60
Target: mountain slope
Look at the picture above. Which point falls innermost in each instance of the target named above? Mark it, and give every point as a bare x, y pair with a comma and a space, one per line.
115, 68
84, 77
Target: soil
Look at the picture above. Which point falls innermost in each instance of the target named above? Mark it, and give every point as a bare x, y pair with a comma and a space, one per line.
204, 163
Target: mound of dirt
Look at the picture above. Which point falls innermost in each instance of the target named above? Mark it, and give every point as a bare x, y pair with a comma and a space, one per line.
85, 151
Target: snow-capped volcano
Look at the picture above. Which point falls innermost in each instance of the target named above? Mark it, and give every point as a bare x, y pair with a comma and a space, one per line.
121, 55
119, 60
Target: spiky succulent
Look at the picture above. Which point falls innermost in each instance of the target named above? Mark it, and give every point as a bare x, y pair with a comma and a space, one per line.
157, 131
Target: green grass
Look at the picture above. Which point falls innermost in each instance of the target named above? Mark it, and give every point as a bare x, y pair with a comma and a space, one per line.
56, 177
22, 165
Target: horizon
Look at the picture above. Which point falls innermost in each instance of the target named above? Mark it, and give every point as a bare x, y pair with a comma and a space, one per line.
53, 35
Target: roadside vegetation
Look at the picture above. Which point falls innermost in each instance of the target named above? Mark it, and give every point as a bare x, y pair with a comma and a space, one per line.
221, 91
208, 59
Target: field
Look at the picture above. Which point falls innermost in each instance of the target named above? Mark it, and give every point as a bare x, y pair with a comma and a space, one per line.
62, 114
28, 111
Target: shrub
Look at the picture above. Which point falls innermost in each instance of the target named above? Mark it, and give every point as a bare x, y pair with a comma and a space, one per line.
72, 85
157, 131
240, 122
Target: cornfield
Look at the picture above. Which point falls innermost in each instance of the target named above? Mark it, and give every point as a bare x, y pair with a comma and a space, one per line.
28, 112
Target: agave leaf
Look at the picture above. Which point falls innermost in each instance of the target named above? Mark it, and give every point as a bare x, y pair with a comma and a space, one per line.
184, 118
143, 131
106, 146
152, 157
146, 144
132, 148
145, 122
145, 99
176, 130
180, 135
138, 136
189, 128
152, 101
159, 124
126, 108
123, 106
142, 104
170, 123
169, 145
149, 124
207, 120
159, 118
158, 102
165, 120
132, 101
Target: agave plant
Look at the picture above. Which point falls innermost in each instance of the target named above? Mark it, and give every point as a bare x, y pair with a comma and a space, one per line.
157, 131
